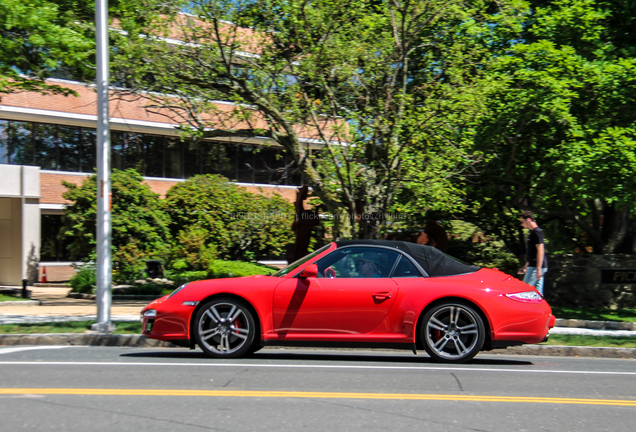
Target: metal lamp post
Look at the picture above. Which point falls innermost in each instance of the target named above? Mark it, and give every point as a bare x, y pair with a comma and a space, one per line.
104, 223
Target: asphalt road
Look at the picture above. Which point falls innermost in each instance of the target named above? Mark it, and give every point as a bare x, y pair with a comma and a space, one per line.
163, 389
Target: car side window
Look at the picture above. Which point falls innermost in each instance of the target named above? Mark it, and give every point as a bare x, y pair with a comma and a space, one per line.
357, 262
406, 269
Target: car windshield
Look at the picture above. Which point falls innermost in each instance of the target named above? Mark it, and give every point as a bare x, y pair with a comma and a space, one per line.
300, 262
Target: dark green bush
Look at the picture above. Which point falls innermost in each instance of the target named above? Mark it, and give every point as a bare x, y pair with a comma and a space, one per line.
219, 269
85, 280
139, 224
469, 244
233, 222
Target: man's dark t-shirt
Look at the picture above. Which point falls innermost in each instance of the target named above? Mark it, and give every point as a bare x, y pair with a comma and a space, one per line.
535, 238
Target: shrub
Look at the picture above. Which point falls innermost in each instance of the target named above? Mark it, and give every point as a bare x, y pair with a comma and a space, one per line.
219, 269
191, 252
469, 244
139, 225
239, 225
85, 280
223, 269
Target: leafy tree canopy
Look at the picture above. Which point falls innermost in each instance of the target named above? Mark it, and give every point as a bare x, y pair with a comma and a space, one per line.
559, 133
379, 87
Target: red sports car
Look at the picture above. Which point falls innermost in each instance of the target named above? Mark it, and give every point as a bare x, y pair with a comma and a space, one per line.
366, 293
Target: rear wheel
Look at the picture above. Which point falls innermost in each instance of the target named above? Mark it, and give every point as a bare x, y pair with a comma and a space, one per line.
452, 332
225, 327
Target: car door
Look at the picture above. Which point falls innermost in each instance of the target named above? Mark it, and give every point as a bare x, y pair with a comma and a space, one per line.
341, 300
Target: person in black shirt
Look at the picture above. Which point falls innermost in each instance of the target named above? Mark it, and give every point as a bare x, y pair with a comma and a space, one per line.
536, 260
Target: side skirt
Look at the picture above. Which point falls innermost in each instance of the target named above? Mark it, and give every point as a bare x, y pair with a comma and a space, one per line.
326, 344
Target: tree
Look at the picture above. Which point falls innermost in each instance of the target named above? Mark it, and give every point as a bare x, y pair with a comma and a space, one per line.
560, 132
210, 215
37, 37
139, 224
40, 39
372, 82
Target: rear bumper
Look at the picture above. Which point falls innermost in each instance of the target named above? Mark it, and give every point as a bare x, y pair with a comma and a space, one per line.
526, 323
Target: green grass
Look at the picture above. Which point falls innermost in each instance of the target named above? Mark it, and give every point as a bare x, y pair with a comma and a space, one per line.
4, 297
591, 341
121, 327
595, 314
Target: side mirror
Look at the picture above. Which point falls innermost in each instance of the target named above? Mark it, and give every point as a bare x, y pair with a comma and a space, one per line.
311, 271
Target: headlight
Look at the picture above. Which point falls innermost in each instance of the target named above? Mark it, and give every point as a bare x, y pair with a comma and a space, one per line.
527, 297
178, 289
150, 313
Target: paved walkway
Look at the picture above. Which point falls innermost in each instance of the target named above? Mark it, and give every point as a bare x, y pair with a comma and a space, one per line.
55, 306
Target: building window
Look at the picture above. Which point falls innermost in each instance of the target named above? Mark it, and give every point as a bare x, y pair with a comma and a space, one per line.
69, 148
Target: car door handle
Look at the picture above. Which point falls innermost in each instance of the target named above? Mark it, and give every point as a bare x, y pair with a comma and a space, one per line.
382, 295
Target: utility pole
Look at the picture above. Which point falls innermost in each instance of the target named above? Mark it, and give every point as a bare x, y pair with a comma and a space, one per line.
103, 296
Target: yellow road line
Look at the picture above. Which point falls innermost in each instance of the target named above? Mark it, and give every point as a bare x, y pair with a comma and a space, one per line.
321, 395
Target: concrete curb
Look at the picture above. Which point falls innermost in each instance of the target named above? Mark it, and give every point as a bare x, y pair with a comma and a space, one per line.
569, 351
83, 339
139, 341
21, 303
595, 325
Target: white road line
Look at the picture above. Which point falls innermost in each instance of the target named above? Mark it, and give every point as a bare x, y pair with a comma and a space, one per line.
31, 348
296, 366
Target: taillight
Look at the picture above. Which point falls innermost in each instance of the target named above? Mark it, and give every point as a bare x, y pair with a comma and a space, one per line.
526, 297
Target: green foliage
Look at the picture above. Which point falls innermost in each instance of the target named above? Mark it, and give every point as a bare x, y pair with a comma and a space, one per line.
210, 216
56, 38
121, 327
139, 225
36, 38
595, 314
469, 243
4, 298
218, 269
558, 133
191, 251
224, 269
84, 280
387, 87
147, 287
593, 341
180, 276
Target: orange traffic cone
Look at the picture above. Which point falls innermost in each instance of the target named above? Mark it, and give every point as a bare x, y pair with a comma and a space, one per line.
44, 280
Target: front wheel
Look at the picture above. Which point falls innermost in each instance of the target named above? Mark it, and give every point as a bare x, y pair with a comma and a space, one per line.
225, 327
452, 332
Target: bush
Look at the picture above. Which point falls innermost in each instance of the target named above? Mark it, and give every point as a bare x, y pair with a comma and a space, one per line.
235, 223
219, 269
148, 287
139, 224
85, 280
223, 269
468, 243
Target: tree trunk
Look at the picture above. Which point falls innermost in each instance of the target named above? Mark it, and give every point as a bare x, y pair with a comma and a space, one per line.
615, 226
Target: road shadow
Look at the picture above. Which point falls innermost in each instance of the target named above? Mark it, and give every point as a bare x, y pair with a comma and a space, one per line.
272, 357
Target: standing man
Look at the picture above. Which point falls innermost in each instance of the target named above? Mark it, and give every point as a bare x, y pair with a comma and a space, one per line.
536, 261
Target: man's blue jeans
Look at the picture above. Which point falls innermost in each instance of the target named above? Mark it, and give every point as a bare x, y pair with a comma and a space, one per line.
531, 278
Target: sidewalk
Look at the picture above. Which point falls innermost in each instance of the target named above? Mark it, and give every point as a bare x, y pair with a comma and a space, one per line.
51, 304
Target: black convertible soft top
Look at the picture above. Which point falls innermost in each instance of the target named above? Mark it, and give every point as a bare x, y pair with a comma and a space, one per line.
433, 261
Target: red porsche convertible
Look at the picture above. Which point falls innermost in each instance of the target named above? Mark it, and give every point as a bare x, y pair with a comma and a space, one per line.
366, 293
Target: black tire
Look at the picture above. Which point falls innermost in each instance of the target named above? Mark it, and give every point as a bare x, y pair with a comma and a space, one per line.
225, 328
452, 332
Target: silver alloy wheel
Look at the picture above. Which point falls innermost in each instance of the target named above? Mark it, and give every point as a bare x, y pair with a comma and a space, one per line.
453, 333
225, 329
